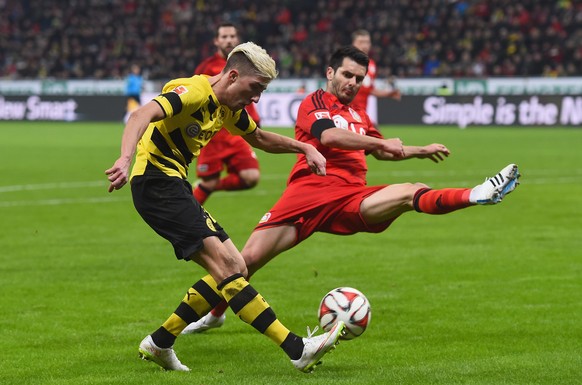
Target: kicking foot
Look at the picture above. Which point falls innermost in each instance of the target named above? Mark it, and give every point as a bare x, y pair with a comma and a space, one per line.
209, 321
166, 358
495, 188
316, 347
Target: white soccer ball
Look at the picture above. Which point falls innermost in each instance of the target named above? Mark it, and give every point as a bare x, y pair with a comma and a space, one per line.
345, 304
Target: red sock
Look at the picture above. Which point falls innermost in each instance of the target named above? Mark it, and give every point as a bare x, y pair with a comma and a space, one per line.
201, 194
219, 309
441, 201
231, 182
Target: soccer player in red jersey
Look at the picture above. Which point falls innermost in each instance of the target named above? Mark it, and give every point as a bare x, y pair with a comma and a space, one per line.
341, 202
362, 41
225, 150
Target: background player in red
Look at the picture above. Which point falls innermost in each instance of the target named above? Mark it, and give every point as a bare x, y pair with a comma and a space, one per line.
225, 150
361, 40
341, 202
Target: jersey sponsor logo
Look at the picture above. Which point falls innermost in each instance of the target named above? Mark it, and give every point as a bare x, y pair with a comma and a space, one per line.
322, 115
180, 90
265, 218
355, 115
202, 167
193, 130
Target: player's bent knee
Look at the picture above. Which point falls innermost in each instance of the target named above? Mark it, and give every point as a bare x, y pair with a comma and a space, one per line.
250, 177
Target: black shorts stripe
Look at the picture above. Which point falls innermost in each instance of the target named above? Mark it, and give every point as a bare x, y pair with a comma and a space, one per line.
175, 102
242, 299
243, 122
185, 312
264, 320
181, 145
206, 291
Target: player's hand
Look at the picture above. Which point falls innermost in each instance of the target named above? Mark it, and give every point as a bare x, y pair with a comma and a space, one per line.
118, 174
394, 146
395, 94
315, 160
436, 152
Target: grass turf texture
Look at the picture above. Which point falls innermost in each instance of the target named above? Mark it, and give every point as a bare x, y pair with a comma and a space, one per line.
487, 295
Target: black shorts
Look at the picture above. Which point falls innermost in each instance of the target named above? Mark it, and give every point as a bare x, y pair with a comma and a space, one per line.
168, 206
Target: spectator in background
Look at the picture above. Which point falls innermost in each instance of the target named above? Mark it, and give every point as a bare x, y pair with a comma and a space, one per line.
227, 150
361, 40
97, 39
133, 89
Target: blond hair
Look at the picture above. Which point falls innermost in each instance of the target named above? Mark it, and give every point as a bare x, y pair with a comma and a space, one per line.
249, 58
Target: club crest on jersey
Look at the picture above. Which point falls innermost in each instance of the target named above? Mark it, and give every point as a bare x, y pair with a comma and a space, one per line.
265, 218
210, 224
322, 115
355, 115
180, 90
193, 130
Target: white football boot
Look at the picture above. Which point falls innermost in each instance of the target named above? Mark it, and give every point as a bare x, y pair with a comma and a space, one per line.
316, 347
209, 321
166, 358
495, 188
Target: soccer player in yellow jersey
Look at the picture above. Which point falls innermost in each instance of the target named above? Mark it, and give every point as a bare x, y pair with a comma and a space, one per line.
168, 133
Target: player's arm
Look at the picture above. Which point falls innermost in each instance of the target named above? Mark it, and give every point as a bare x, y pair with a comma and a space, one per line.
278, 144
435, 152
347, 140
134, 129
392, 94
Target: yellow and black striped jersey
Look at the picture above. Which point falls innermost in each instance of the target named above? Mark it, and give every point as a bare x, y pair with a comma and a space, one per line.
193, 117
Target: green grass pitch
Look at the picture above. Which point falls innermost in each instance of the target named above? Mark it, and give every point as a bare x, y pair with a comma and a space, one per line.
486, 295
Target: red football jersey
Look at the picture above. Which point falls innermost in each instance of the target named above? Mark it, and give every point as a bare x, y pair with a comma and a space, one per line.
212, 66
361, 99
315, 109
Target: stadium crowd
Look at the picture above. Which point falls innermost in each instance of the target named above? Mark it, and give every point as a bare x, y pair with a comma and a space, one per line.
98, 39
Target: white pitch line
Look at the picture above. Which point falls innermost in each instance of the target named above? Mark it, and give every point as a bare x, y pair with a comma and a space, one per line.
59, 202
52, 186
533, 179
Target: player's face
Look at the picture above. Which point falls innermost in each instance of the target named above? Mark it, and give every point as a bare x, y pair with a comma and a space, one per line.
226, 40
244, 90
345, 82
363, 43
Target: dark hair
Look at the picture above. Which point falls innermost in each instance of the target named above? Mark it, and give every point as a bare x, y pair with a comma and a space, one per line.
225, 24
350, 52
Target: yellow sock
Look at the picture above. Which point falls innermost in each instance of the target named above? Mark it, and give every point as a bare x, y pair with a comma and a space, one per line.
252, 308
198, 301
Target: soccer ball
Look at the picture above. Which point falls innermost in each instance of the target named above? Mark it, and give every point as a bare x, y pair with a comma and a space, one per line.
345, 304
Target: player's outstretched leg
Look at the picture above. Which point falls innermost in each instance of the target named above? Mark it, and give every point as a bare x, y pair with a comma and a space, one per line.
316, 347
498, 186
166, 358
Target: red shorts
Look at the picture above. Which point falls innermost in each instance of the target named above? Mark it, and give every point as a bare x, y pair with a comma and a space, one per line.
225, 149
326, 204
